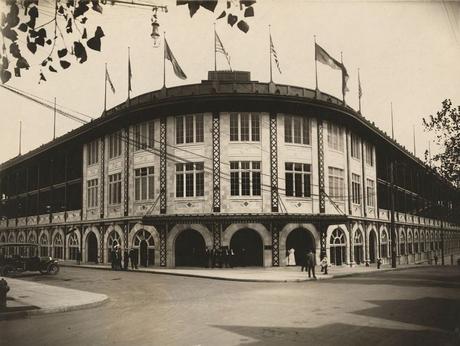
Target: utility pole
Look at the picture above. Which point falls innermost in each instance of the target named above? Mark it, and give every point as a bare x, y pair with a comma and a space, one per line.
20, 136
392, 216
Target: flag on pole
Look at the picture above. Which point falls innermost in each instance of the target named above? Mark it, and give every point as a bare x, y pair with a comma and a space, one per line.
170, 56
360, 90
220, 49
272, 48
107, 77
345, 77
130, 74
322, 56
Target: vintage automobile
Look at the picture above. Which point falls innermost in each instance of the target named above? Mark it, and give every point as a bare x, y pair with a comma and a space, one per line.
21, 257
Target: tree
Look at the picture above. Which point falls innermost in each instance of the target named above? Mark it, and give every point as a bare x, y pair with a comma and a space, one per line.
446, 126
65, 37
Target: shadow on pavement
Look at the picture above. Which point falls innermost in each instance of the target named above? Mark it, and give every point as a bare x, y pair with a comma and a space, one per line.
439, 313
340, 334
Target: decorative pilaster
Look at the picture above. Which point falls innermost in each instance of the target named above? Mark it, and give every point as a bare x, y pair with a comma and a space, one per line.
125, 235
364, 200
163, 164
322, 201
275, 246
126, 174
347, 153
101, 243
217, 234
163, 232
274, 163
323, 239
102, 184
216, 162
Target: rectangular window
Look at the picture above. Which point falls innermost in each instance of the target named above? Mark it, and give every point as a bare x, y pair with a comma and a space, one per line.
115, 188
93, 190
355, 189
370, 193
144, 135
189, 129
335, 137
190, 179
115, 144
369, 154
336, 183
144, 184
93, 152
298, 179
244, 127
355, 147
245, 178
296, 129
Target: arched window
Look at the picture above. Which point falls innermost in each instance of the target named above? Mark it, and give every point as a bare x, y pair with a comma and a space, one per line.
384, 244
422, 241
432, 245
58, 246
410, 249
44, 245
11, 239
32, 237
74, 246
337, 244
402, 243
22, 239
358, 246
113, 240
416, 242
144, 246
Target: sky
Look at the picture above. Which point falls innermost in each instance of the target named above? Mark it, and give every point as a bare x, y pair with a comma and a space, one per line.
408, 54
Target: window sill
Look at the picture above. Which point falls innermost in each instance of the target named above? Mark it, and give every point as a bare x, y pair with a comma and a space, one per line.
336, 151
245, 198
92, 164
192, 144
243, 142
189, 199
298, 145
294, 198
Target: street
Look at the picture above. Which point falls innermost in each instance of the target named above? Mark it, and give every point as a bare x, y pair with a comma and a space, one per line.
409, 307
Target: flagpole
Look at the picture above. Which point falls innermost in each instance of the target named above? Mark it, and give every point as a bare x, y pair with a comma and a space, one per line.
105, 90
129, 77
164, 59
359, 91
270, 48
316, 66
343, 79
215, 51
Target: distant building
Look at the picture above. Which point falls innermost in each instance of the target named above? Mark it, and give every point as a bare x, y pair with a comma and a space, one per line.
230, 162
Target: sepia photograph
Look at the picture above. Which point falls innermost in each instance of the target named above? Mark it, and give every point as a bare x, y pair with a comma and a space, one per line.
229, 172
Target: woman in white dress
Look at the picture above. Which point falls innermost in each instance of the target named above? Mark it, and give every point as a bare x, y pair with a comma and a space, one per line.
291, 257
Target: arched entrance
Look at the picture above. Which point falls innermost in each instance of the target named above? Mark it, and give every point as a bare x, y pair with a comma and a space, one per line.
248, 248
92, 247
113, 240
337, 247
358, 243
190, 249
372, 246
301, 240
144, 245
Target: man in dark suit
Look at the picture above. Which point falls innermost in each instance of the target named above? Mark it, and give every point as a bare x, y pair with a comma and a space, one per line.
311, 262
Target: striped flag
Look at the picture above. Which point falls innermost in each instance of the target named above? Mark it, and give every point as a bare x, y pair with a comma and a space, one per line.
220, 49
273, 51
107, 77
170, 56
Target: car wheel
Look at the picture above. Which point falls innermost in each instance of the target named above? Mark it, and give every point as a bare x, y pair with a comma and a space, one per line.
53, 269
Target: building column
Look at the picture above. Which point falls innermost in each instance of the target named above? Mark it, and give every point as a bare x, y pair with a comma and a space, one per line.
163, 229
274, 163
275, 244
163, 165
322, 200
126, 174
101, 245
217, 234
216, 162
102, 183
366, 245
351, 234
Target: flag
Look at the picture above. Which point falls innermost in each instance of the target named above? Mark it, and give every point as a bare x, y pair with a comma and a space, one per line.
107, 77
345, 77
170, 56
322, 56
360, 90
130, 74
220, 49
273, 51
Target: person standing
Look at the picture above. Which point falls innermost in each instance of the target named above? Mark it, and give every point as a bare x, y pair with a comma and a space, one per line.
78, 256
291, 257
435, 258
311, 262
324, 265
133, 259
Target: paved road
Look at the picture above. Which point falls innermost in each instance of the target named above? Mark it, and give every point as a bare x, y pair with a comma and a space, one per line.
411, 307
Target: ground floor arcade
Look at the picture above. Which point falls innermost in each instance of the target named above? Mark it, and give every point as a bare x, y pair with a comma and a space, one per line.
265, 243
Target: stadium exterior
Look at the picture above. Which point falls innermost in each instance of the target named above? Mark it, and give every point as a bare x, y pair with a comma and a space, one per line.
229, 162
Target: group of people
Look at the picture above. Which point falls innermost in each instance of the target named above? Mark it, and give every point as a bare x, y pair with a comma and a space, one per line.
120, 260
220, 257
308, 262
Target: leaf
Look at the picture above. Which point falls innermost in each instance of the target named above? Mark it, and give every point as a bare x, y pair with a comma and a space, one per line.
48, 41
69, 26
62, 52
210, 5
99, 33
247, 2
12, 18
85, 34
5, 75
42, 78
193, 7
32, 47
80, 52
61, 9
222, 15
243, 26
64, 64
33, 12
52, 69
81, 9
96, 6
23, 27
44, 63
40, 41
41, 32
94, 43
22, 63
17, 72
14, 50
231, 19
5, 62
31, 23
10, 34
249, 12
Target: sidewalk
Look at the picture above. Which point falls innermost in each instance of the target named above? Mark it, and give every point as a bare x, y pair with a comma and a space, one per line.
27, 298
256, 274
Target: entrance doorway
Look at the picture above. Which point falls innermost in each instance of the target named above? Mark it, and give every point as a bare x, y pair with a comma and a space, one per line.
144, 248
92, 247
301, 240
372, 246
248, 248
337, 247
190, 249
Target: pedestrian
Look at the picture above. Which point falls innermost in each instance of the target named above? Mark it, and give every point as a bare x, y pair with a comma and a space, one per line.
213, 257
78, 256
113, 258
231, 257
133, 258
125, 259
311, 262
379, 263
243, 257
291, 257
435, 259
119, 258
324, 265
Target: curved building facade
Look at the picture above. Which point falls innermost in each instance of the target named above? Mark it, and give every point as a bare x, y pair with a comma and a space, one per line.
232, 163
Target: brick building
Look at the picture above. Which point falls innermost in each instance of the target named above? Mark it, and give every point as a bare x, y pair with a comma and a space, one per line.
230, 162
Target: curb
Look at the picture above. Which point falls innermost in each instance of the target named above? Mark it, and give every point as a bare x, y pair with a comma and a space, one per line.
204, 276
5, 316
